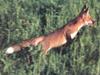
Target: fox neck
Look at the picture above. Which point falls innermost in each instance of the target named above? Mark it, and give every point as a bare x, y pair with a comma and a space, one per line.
75, 26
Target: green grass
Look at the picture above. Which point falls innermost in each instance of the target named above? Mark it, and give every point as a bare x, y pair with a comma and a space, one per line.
24, 19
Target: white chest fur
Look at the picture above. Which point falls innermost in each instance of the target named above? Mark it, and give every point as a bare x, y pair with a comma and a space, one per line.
75, 33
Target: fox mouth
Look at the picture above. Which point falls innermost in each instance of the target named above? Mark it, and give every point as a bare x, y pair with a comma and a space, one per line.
91, 23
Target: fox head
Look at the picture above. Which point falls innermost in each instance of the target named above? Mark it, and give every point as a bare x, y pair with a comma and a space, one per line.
85, 16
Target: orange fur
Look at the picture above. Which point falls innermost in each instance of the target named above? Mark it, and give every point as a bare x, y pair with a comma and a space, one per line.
59, 36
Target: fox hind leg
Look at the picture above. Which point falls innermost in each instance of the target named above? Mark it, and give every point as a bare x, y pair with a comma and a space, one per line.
46, 49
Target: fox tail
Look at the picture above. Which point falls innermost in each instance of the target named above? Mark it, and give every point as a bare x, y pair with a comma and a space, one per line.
23, 44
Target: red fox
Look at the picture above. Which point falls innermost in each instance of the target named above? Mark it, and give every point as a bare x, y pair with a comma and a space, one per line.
59, 36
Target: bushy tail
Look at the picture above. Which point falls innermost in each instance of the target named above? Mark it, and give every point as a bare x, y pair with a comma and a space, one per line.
23, 44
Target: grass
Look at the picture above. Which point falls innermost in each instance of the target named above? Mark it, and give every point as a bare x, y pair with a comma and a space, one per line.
24, 19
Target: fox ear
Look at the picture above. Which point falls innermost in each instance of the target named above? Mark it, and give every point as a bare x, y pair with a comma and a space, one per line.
84, 9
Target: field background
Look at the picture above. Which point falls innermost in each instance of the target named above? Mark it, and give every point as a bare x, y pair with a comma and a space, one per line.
24, 19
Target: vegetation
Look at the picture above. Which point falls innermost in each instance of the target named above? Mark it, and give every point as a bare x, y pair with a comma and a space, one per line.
24, 19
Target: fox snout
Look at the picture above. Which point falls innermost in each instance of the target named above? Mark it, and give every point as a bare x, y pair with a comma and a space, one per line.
91, 23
